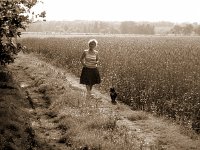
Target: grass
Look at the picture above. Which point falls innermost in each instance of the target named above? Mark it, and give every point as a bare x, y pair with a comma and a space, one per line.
13, 119
93, 131
86, 127
135, 116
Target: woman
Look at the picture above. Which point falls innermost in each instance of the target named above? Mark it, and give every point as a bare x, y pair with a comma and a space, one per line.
90, 73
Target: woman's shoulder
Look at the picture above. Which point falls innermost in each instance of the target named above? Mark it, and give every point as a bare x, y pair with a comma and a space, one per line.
86, 50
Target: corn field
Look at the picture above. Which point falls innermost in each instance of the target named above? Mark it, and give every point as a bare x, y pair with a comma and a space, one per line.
151, 73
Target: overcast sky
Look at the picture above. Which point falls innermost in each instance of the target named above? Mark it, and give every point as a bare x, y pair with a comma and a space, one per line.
123, 10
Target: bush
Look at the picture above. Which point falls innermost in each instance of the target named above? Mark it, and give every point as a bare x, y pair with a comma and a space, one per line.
12, 21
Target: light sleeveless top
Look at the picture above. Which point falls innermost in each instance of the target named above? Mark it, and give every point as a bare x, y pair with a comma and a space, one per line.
91, 59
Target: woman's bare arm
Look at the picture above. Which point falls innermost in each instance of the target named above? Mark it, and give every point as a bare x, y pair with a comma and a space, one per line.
83, 59
97, 58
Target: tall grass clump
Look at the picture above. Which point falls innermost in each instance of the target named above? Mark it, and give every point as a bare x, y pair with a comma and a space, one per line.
158, 74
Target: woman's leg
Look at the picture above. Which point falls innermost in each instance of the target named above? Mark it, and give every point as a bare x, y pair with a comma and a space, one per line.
89, 89
88, 95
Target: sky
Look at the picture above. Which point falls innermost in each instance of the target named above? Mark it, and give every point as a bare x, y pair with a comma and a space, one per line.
177, 11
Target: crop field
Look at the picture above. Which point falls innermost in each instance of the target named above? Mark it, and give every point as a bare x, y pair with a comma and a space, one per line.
151, 73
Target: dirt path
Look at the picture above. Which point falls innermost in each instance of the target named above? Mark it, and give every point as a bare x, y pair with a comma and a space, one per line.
45, 87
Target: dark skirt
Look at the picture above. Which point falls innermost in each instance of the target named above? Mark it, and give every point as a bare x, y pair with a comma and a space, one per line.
90, 76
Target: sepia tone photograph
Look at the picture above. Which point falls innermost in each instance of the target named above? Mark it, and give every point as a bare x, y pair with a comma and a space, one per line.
99, 75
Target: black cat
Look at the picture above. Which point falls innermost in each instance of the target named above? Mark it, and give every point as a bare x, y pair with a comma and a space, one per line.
113, 95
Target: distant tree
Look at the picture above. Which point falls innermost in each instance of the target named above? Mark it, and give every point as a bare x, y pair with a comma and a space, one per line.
145, 29
131, 27
103, 27
127, 27
177, 29
14, 16
187, 29
66, 28
96, 26
197, 30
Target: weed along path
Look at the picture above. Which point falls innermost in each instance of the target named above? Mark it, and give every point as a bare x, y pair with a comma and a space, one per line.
62, 118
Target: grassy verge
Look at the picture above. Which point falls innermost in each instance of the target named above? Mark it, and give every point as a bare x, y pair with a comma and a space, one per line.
88, 127
15, 130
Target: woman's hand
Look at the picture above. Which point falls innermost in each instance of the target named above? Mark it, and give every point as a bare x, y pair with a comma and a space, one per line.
84, 65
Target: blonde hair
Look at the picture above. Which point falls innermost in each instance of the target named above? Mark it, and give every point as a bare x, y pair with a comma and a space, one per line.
93, 40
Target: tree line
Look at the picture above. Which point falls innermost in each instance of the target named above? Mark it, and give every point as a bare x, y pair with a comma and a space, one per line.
125, 27
186, 29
